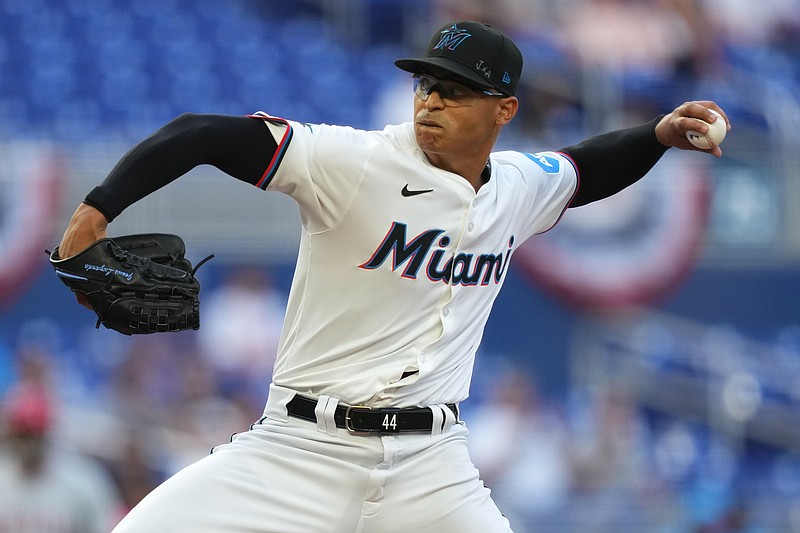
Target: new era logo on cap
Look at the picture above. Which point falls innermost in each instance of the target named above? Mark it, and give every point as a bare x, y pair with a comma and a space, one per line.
472, 52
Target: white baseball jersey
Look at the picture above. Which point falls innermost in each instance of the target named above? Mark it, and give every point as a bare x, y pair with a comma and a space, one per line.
398, 267
399, 261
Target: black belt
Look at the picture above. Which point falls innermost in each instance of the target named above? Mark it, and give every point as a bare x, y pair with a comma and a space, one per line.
357, 419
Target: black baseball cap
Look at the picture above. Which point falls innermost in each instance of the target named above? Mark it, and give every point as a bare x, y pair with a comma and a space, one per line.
472, 51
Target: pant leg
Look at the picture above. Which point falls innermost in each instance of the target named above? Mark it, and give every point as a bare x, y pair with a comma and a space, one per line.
432, 486
280, 477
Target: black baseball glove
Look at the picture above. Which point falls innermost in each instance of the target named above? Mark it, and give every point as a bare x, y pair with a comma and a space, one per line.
136, 283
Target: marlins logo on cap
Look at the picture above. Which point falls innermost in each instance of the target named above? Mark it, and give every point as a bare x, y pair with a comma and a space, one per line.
452, 37
472, 52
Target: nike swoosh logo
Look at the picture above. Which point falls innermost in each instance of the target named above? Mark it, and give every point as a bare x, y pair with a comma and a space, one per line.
409, 192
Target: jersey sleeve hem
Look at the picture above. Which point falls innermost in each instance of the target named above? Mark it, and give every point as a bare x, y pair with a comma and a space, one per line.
280, 152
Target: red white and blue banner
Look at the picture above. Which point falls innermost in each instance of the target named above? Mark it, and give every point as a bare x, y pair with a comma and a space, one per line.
629, 249
31, 178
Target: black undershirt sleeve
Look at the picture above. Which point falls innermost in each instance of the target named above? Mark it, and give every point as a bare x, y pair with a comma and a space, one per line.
612, 161
240, 146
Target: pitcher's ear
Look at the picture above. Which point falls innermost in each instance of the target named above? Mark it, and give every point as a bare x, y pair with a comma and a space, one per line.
508, 110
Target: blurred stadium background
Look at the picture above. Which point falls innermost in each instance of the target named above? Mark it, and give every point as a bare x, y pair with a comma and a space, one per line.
645, 353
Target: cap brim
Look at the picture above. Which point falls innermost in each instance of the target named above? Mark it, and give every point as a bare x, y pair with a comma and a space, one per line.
442, 67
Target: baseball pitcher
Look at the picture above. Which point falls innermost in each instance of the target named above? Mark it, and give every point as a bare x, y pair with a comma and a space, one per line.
407, 235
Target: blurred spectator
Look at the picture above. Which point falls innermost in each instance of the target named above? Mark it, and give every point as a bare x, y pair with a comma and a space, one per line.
637, 53
518, 444
206, 416
164, 385
610, 448
754, 23
146, 383
133, 469
620, 35
47, 489
611, 464
242, 321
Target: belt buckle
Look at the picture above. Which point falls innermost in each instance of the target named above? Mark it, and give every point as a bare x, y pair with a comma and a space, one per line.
348, 422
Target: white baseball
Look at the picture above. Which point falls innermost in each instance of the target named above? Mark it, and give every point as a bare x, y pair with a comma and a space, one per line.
716, 133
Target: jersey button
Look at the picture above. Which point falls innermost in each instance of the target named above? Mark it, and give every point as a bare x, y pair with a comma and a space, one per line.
445, 311
470, 226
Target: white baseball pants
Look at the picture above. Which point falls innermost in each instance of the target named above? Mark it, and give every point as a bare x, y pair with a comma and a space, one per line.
287, 475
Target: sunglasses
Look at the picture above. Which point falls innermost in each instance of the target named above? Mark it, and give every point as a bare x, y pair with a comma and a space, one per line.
453, 94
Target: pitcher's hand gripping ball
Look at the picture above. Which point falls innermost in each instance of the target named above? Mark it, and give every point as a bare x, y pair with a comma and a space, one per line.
136, 284
715, 135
